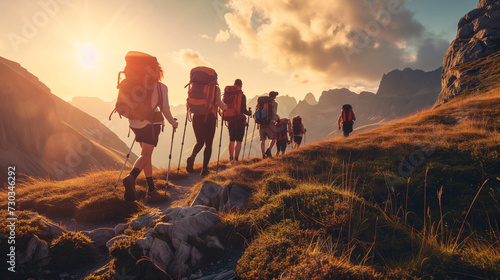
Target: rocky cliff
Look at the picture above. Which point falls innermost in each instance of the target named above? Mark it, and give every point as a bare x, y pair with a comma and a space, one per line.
478, 37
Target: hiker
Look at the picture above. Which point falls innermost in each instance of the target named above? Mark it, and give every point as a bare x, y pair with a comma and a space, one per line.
347, 119
282, 131
204, 87
236, 101
266, 116
298, 131
147, 130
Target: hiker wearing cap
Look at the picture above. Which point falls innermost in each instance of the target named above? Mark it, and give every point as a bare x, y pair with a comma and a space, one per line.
267, 128
147, 131
236, 125
204, 121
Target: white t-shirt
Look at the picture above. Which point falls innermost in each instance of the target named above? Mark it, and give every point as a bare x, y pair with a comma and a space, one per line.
164, 108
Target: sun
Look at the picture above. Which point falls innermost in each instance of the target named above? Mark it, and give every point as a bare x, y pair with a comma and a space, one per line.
88, 56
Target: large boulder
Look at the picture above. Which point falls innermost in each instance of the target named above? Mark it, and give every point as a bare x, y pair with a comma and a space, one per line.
177, 246
478, 37
35, 257
222, 198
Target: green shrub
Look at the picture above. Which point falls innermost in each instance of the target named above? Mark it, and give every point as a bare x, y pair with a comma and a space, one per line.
279, 182
314, 206
126, 252
105, 208
276, 249
320, 267
72, 250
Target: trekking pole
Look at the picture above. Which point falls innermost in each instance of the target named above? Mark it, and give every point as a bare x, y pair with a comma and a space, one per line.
169, 158
246, 134
220, 140
125, 163
182, 145
253, 132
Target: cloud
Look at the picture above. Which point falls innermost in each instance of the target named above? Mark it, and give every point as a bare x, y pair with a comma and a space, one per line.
204, 36
341, 41
189, 58
222, 36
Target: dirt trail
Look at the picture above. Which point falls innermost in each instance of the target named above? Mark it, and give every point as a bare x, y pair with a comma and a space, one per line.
178, 190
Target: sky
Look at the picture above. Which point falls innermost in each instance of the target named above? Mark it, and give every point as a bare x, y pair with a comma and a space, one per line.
77, 47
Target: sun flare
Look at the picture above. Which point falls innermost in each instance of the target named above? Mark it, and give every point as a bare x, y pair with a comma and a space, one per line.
88, 56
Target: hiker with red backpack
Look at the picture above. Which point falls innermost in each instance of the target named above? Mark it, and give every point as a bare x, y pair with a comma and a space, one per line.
143, 99
347, 119
234, 115
203, 102
282, 130
266, 117
298, 131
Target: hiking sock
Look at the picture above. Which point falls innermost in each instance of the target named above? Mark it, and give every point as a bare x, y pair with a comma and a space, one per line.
135, 172
236, 158
151, 184
231, 158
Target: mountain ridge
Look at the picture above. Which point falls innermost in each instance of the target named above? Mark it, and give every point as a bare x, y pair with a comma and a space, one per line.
44, 136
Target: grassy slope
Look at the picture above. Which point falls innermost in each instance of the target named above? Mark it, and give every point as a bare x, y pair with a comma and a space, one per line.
417, 198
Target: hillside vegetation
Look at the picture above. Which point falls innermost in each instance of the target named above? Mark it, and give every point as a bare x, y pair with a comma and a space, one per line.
416, 199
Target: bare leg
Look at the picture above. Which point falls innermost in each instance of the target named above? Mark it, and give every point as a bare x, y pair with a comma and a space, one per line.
231, 149
237, 149
144, 161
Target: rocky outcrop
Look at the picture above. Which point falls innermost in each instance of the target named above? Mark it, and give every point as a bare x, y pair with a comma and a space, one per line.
478, 37
222, 198
175, 239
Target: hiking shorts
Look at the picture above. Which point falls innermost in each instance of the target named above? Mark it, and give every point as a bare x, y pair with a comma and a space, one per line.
297, 139
281, 145
236, 130
267, 131
347, 127
148, 134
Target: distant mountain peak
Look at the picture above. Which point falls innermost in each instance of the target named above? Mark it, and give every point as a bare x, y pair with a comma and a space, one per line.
310, 99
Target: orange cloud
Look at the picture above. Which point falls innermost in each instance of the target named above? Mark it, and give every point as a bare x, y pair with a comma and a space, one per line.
332, 41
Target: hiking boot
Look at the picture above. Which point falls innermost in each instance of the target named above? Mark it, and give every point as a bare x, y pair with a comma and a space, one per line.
268, 153
264, 156
204, 172
152, 191
129, 184
190, 163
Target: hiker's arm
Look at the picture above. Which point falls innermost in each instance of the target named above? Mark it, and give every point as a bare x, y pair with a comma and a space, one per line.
340, 119
165, 108
275, 112
353, 116
244, 109
220, 104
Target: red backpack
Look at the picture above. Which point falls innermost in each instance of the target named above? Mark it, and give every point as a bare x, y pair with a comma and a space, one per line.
135, 91
201, 92
232, 98
347, 114
297, 125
